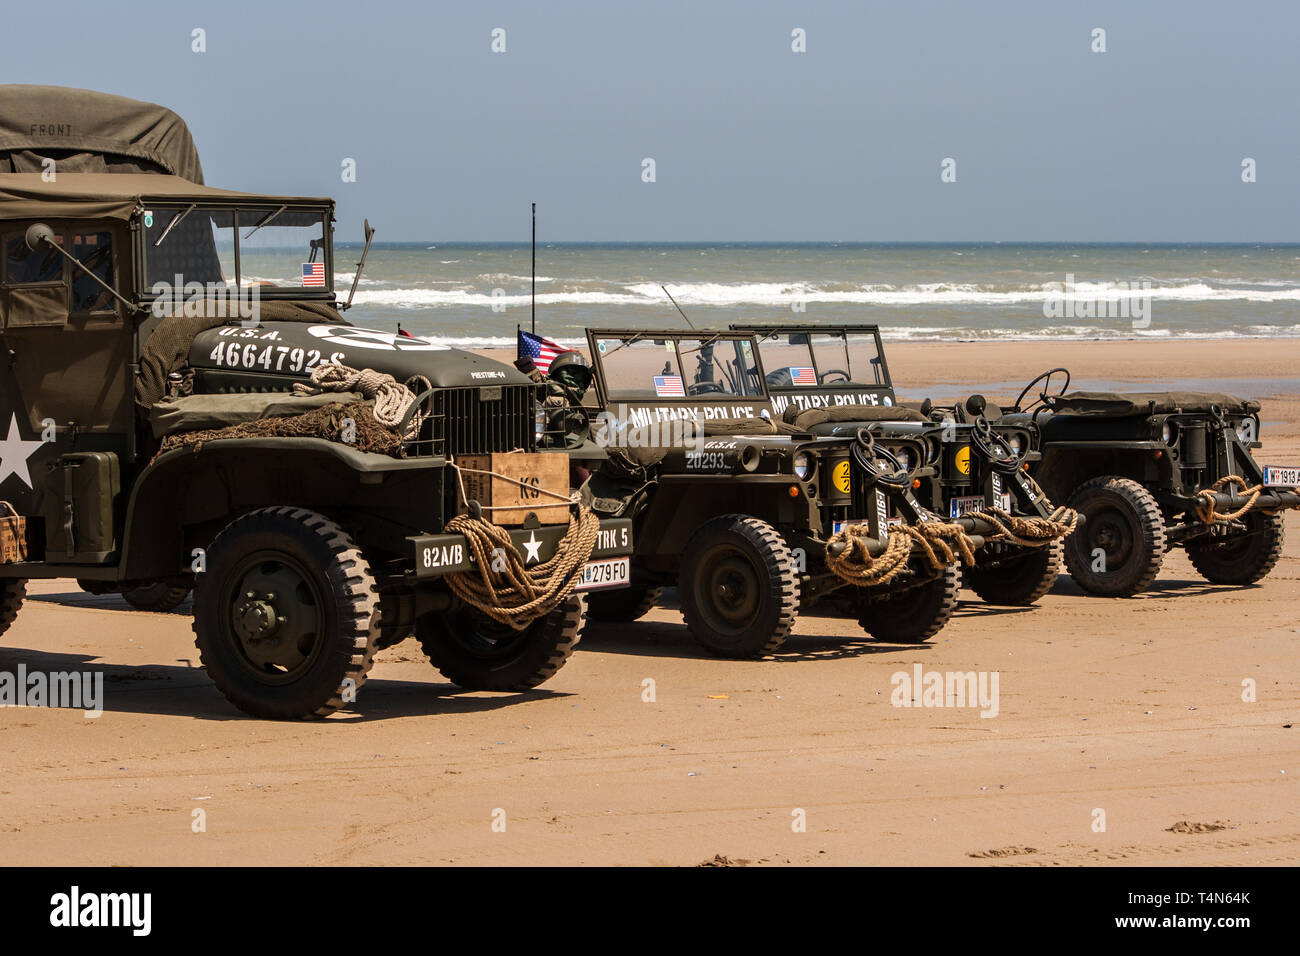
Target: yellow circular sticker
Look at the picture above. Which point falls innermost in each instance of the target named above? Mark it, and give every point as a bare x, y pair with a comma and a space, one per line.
840, 477
963, 459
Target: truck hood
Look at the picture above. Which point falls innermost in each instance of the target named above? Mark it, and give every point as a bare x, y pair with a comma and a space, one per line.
275, 355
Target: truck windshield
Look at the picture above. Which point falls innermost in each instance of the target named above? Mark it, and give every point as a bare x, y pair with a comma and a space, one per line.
646, 368
272, 246
808, 359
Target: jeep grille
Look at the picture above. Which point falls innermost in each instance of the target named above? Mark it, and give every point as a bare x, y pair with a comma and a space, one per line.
475, 421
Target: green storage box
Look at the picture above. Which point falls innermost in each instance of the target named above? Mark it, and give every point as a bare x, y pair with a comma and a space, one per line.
81, 502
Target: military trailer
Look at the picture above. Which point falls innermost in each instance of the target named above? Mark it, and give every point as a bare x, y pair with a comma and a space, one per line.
165, 383
1153, 470
745, 515
833, 379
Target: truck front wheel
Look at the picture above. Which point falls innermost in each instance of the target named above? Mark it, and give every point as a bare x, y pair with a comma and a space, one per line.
476, 652
12, 593
1020, 581
1241, 559
286, 615
914, 615
738, 587
1119, 548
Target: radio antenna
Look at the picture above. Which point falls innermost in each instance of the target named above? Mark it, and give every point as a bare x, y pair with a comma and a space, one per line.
678, 308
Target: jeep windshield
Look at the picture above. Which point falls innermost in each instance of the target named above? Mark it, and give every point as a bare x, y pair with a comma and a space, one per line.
639, 367
273, 246
795, 358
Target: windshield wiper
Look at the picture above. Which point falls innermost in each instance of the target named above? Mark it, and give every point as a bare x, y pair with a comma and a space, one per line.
269, 217
176, 221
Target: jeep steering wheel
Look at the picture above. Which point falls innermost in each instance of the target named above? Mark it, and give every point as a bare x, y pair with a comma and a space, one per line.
705, 388
843, 376
1042, 399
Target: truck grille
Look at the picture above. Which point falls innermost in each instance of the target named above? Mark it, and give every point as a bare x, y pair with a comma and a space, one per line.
475, 421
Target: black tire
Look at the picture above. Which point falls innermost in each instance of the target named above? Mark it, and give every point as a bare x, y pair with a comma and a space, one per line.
915, 615
1020, 581
95, 587
1122, 519
1243, 558
623, 605
478, 653
12, 593
159, 596
738, 587
308, 577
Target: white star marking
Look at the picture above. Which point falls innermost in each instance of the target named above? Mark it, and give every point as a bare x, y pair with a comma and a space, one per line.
534, 548
14, 453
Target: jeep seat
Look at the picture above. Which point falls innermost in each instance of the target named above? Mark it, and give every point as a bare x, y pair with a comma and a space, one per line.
1127, 404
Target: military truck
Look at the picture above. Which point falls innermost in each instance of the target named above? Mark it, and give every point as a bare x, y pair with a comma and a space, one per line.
1148, 471
139, 310
834, 379
739, 511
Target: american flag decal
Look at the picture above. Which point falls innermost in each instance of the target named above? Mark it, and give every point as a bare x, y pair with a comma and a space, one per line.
313, 274
669, 386
803, 376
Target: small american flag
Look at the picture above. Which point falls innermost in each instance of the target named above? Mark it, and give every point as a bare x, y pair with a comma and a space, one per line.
542, 351
669, 386
803, 376
313, 274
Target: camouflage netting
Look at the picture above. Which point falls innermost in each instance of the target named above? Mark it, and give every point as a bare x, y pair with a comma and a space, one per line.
1121, 404
168, 348
329, 422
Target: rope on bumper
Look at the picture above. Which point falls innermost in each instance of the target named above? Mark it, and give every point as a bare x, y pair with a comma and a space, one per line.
1205, 506
940, 543
503, 587
1031, 532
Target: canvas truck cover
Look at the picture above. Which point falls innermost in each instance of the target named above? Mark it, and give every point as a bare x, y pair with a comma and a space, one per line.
113, 196
88, 132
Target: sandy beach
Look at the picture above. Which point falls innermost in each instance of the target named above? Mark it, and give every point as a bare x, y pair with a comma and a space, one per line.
1121, 735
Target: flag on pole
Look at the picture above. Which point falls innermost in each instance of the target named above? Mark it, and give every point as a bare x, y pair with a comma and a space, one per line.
541, 350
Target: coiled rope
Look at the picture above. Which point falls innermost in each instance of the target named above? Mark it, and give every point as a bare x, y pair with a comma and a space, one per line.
1205, 506
392, 398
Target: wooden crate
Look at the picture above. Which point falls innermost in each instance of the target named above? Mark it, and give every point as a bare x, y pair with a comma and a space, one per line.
13, 535
507, 503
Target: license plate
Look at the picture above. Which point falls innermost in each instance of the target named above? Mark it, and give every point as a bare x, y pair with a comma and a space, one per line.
960, 506
838, 526
1275, 477
605, 573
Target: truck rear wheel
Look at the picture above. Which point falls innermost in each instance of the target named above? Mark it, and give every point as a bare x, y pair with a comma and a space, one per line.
477, 652
12, 593
917, 614
159, 596
626, 604
1020, 581
738, 587
286, 614
1119, 548
1243, 558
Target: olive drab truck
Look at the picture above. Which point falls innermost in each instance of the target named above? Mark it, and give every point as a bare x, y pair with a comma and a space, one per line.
744, 515
1148, 471
832, 379
153, 330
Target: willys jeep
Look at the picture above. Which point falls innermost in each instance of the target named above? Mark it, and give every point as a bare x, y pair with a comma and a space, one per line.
743, 513
153, 332
1153, 470
834, 379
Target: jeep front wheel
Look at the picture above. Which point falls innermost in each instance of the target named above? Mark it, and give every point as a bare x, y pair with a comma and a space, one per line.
1121, 544
12, 593
738, 587
1020, 581
477, 652
286, 615
914, 615
1243, 558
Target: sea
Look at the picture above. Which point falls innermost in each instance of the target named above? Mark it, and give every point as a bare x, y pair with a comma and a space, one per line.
475, 295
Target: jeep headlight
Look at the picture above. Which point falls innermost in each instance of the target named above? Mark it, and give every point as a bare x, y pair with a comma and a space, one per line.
1168, 432
803, 465
1016, 442
904, 458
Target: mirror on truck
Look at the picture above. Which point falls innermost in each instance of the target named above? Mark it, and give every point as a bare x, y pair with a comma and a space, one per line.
40, 236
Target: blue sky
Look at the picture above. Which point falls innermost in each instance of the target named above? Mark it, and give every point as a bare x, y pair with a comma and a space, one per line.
751, 141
